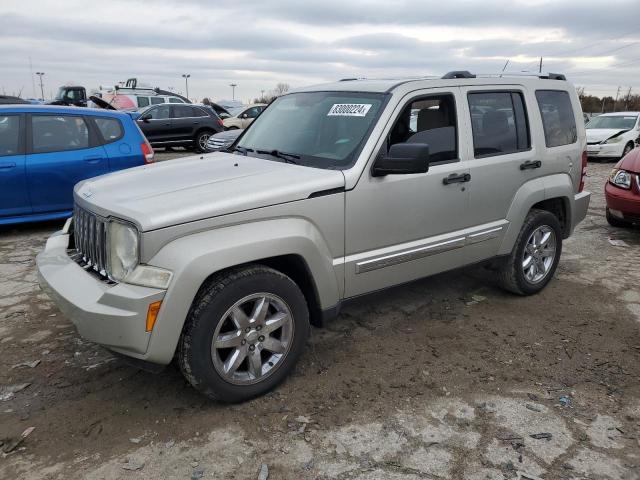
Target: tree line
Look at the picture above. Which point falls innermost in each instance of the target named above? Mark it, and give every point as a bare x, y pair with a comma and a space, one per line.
594, 104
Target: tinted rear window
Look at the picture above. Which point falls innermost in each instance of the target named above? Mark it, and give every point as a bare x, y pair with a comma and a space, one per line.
110, 129
557, 117
9, 134
56, 133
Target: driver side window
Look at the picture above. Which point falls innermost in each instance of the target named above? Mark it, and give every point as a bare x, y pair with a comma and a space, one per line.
431, 120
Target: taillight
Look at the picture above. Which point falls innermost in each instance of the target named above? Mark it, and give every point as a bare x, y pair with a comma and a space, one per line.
147, 151
220, 122
584, 171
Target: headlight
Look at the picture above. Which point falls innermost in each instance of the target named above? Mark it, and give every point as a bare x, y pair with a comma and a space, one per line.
617, 139
620, 178
123, 249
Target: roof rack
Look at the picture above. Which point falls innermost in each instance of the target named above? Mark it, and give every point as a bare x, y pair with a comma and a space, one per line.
458, 74
466, 74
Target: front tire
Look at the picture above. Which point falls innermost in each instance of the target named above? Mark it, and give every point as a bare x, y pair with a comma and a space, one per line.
244, 333
201, 141
535, 254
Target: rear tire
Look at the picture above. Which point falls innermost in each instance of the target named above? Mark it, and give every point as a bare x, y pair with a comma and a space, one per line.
251, 354
535, 255
616, 222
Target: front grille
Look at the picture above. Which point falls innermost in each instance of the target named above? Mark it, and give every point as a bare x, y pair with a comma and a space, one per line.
90, 240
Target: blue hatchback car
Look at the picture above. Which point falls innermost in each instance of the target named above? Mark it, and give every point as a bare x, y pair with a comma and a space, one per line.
46, 150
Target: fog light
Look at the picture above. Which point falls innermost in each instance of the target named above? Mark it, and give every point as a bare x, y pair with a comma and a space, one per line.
615, 213
152, 314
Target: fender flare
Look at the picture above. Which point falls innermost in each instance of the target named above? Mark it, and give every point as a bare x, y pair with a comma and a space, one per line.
194, 258
534, 191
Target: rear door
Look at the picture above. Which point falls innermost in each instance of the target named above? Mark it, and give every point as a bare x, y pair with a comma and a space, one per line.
61, 151
122, 147
503, 157
184, 122
14, 197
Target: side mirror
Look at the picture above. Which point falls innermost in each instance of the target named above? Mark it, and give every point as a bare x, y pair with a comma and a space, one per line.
244, 115
146, 117
403, 159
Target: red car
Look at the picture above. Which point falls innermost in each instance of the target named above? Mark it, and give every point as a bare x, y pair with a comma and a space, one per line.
622, 191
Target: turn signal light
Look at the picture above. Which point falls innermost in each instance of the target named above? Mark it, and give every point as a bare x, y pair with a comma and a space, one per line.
152, 314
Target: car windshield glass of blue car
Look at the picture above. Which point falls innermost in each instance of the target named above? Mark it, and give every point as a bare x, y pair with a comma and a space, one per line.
315, 129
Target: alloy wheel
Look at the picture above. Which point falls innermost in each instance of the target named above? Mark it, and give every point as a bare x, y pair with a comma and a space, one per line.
539, 254
252, 339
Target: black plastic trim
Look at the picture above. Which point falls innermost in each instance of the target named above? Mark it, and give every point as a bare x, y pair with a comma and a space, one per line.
330, 191
458, 74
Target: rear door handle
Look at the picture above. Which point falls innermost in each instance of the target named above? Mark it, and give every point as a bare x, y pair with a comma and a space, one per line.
7, 165
530, 165
94, 159
456, 178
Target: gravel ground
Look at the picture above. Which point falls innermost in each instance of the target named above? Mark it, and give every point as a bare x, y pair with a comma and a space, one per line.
448, 377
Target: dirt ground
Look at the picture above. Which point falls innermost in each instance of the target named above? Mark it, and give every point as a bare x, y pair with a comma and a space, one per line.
447, 378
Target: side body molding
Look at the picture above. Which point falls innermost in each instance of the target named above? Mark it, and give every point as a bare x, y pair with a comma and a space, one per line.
195, 257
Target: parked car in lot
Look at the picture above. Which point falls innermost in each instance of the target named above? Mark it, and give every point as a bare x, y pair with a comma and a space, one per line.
46, 150
242, 118
330, 195
222, 140
173, 125
622, 191
612, 135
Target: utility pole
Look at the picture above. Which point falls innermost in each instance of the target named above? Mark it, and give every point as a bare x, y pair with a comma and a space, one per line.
33, 79
615, 102
186, 82
41, 74
233, 90
261, 95
626, 102
540, 67
603, 100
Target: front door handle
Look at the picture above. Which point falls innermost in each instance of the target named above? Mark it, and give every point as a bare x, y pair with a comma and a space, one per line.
455, 178
530, 165
7, 165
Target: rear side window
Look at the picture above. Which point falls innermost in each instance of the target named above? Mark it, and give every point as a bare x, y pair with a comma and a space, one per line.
182, 111
110, 129
499, 123
157, 100
143, 101
9, 135
56, 133
175, 100
557, 117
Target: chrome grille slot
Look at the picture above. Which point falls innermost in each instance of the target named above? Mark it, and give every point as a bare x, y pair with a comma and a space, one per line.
90, 238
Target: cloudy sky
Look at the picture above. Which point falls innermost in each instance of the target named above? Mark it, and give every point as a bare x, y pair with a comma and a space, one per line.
258, 43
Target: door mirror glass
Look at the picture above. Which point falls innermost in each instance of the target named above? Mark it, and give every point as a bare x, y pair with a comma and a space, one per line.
146, 117
403, 159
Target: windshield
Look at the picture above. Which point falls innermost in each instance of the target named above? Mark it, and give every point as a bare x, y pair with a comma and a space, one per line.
235, 111
321, 129
617, 122
61, 93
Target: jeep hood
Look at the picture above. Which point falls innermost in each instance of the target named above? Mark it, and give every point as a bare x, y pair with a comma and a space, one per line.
601, 134
193, 188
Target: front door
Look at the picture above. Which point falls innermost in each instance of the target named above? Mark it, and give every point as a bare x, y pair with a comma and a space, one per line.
14, 197
403, 227
62, 151
157, 128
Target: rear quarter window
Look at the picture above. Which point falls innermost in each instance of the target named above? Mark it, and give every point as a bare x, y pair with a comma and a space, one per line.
110, 129
558, 120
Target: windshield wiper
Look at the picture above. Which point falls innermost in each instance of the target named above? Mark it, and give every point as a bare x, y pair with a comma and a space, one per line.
242, 150
287, 157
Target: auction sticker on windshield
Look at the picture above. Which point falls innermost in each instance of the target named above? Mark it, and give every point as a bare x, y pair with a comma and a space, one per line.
349, 110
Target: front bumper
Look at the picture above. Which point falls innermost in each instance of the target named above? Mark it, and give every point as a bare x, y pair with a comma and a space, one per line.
626, 202
111, 315
606, 150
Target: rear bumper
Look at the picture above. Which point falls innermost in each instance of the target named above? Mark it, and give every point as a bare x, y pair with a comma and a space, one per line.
580, 207
111, 315
622, 203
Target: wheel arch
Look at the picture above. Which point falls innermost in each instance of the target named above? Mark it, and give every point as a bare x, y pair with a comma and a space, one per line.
292, 246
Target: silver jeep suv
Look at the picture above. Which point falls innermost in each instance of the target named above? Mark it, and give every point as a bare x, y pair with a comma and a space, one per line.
225, 260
